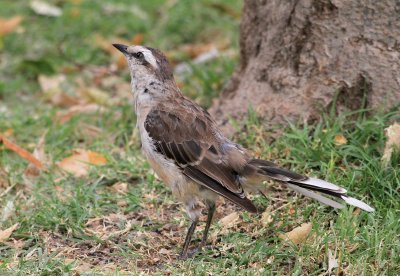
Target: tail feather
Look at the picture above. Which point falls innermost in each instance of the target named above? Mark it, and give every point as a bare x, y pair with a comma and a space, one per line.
319, 184
358, 203
307, 185
318, 197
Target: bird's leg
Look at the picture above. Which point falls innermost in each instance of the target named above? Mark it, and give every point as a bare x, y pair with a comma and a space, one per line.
188, 238
211, 211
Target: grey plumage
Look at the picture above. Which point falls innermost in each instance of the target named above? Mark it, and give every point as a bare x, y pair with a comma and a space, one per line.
191, 155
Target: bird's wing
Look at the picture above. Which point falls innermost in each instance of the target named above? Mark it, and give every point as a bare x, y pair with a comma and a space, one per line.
186, 135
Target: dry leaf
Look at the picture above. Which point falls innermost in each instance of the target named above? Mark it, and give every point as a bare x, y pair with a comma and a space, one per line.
120, 187
340, 140
127, 228
39, 153
49, 83
7, 210
44, 8
266, 218
64, 116
3, 178
9, 25
229, 220
195, 50
8, 132
393, 141
75, 12
298, 234
185, 67
51, 88
122, 203
135, 10
88, 131
95, 95
79, 163
137, 39
21, 152
5, 234
164, 251
332, 261
80, 267
63, 100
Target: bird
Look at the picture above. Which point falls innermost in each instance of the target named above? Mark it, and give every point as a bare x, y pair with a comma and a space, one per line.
191, 155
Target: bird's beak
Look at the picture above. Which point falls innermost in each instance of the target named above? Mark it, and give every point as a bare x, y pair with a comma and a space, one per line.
122, 48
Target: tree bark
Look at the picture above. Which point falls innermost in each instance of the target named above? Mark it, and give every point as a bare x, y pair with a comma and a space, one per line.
298, 57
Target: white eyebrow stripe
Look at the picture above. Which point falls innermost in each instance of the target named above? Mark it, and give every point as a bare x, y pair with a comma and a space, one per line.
148, 55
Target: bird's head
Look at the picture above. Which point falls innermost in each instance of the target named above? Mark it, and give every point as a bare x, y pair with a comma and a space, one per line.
146, 63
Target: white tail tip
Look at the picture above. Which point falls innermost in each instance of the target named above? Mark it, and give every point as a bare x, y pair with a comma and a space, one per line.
358, 203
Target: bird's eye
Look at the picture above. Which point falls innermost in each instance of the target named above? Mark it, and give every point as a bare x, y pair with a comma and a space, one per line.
138, 55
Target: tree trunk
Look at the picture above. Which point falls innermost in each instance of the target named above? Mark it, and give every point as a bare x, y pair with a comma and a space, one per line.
298, 57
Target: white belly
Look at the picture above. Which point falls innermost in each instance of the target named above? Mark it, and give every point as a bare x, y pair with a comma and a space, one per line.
184, 189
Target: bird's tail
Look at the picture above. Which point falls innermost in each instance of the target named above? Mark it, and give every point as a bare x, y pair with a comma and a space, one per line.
258, 169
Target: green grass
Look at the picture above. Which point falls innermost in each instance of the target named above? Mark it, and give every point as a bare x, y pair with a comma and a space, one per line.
84, 225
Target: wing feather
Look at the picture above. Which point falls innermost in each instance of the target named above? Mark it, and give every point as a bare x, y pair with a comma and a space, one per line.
198, 158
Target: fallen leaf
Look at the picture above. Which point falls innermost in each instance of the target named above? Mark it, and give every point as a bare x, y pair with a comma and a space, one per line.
164, 251
5, 234
88, 131
75, 12
39, 154
21, 152
135, 10
7, 210
137, 39
16, 244
393, 142
48, 83
44, 8
229, 220
356, 212
51, 88
195, 50
95, 95
266, 218
127, 228
332, 261
298, 234
79, 266
9, 25
120, 187
3, 178
8, 132
79, 163
185, 67
122, 203
64, 116
340, 140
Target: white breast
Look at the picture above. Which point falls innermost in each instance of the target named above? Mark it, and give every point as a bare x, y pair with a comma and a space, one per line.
165, 168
